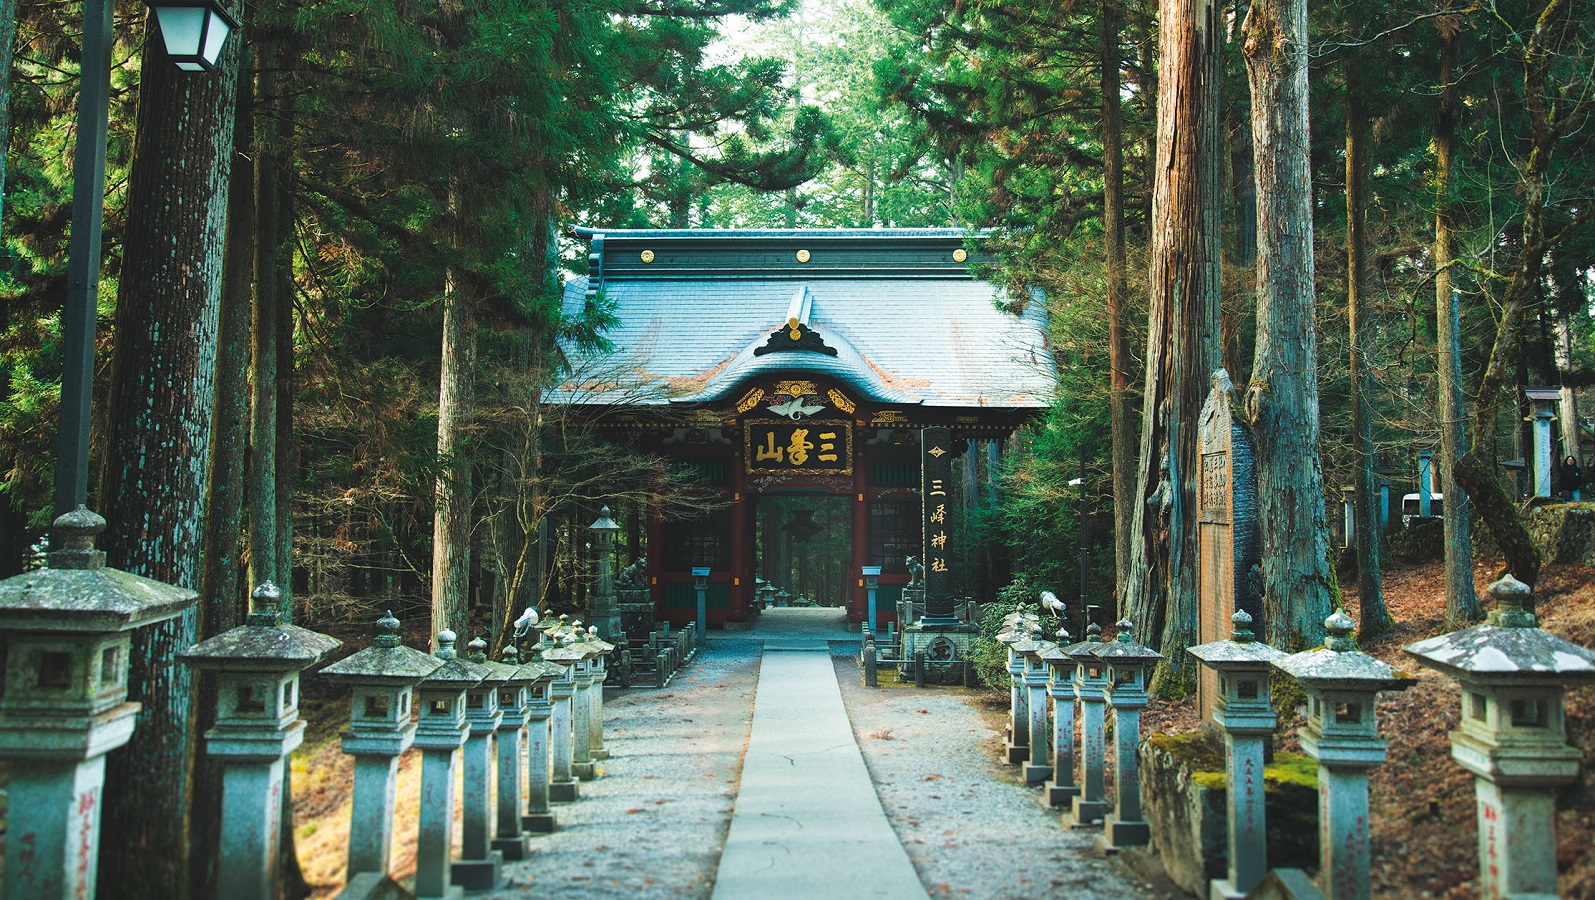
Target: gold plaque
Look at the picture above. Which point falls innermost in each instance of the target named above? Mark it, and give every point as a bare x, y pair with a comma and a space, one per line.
796, 388
803, 256
959, 255
648, 256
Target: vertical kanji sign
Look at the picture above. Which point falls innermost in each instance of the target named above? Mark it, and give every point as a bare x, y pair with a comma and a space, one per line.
936, 495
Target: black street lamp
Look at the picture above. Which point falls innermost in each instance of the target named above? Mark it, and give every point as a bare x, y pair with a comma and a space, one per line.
194, 31
88, 206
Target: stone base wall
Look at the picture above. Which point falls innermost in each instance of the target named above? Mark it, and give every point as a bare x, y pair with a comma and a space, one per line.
1182, 790
1563, 532
945, 648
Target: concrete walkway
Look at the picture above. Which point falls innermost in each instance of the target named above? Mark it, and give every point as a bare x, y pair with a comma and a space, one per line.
807, 821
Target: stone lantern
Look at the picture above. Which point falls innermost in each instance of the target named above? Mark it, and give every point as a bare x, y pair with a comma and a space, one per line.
1513, 736
538, 818
66, 630
1243, 710
598, 671
1129, 670
257, 668
479, 864
1061, 789
1015, 629
767, 595
441, 730
1037, 767
383, 677
515, 701
603, 611
1342, 733
562, 786
1090, 676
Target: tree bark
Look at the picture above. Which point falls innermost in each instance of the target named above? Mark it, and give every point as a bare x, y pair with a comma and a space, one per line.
269, 247
157, 445
8, 36
1461, 599
1121, 400
1374, 614
1182, 336
451, 533
220, 573
1282, 395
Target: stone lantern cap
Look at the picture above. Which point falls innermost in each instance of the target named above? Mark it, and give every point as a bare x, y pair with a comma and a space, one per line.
1081, 650
592, 640
261, 643
455, 673
1339, 664
386, 662
1124, 650
535, 672
1056, 653
1031, 643
1241, 651
1510, 649
77, 591
497, 672
604, 523
566, 653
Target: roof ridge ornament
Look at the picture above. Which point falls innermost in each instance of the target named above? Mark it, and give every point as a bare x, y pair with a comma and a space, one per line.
795, 335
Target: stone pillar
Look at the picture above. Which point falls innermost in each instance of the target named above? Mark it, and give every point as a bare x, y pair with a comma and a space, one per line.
441, 731
1342, 684
1061, 790
1129, 669
562, 786
1089, 677
1245, 714
582, 765
383, 677
479, 864
1425, 473
257, 668
539, 819
1544, 414
509, 838
1017, 747
1038, 768
599, 672
1348, 516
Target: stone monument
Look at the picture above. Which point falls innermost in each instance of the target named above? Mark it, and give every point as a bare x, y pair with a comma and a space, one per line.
1228, 539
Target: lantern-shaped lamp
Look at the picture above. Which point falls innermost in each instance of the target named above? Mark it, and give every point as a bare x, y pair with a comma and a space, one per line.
1513, 736
193, 31
383, 676
1242, 664
441, 695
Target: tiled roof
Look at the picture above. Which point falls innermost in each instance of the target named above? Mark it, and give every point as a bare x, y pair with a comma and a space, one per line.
937, 340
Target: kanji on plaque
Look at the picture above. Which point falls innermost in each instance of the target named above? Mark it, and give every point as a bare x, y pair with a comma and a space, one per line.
935, 489
777, 446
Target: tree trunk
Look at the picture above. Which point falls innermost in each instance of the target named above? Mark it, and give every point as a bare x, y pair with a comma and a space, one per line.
269, 247
1282, 395
1370, 593
1182, 336
157, 445
1477, 471
1121, 400
8, 36
220, 575
1567, 406
1461, 600
451, 533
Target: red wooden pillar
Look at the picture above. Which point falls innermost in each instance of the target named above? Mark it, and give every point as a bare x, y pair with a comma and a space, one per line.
656, 559
859, 609
741, 550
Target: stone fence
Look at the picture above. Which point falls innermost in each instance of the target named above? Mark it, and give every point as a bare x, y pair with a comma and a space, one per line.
65, 631
1512, 738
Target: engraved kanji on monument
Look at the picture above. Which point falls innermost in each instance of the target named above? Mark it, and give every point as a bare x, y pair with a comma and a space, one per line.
936, 496
1228, 541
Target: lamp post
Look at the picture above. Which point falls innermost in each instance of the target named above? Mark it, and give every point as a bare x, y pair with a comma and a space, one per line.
88, 207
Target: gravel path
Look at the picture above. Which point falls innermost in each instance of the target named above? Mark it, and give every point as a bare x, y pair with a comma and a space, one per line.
970, 829
654, 822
